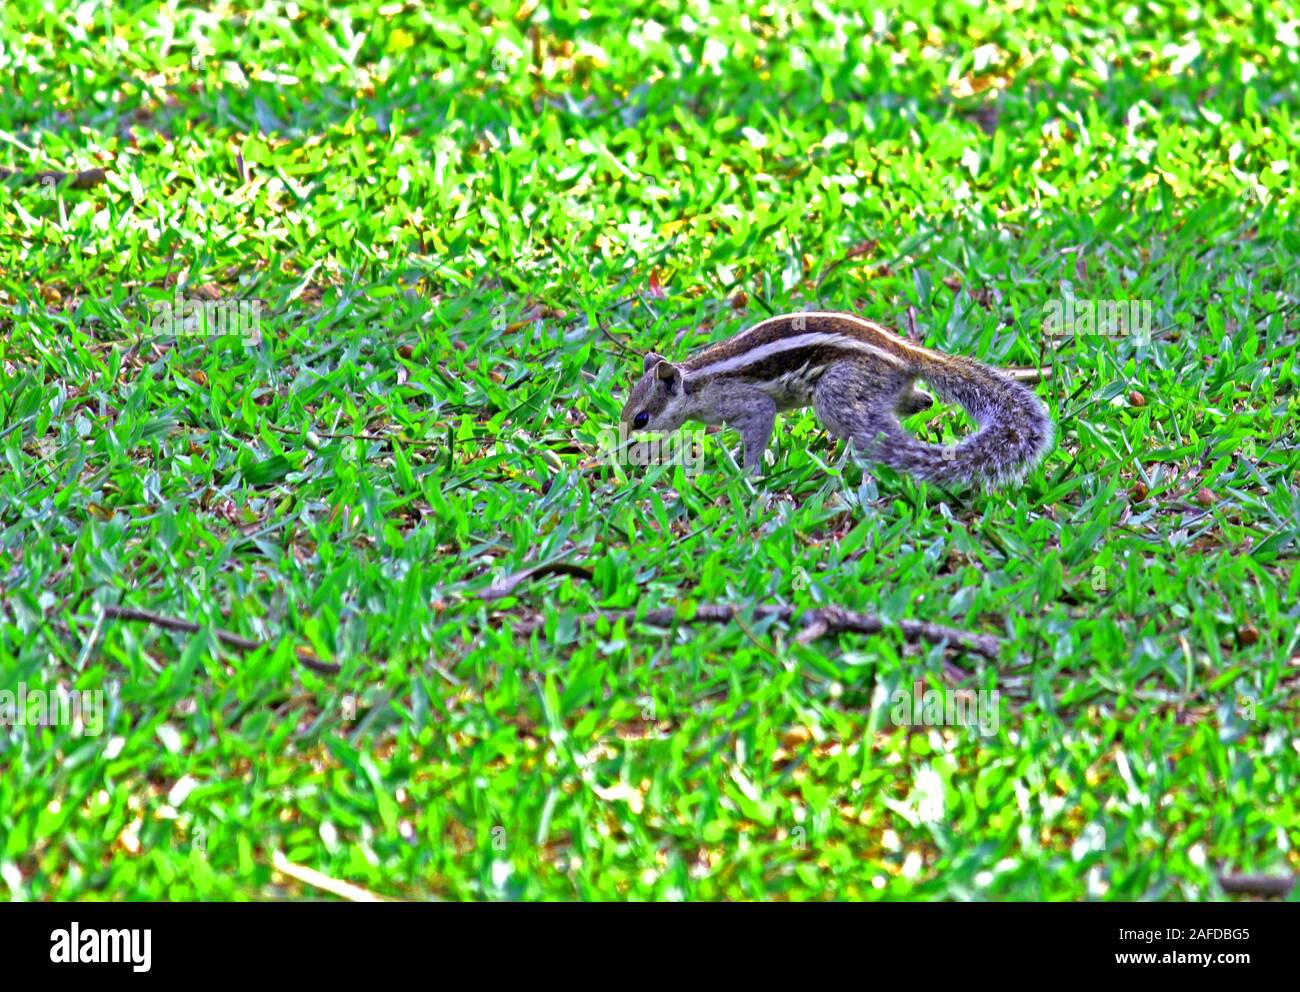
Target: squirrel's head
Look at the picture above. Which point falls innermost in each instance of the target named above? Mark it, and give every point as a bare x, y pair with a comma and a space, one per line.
658, 400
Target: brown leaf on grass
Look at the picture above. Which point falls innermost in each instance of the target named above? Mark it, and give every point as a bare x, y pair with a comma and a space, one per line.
867, 247
100, 512
795, 736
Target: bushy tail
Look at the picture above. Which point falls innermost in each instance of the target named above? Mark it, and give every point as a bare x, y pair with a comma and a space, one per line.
1014, 433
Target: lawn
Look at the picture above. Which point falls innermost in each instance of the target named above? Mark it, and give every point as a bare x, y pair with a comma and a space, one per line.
455, 229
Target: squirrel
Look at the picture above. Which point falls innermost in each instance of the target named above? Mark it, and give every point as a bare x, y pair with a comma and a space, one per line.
859, 379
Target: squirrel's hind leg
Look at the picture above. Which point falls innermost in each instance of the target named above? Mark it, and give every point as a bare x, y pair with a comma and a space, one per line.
857, 401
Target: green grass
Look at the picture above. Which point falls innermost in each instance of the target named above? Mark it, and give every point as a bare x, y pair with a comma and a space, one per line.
451, 215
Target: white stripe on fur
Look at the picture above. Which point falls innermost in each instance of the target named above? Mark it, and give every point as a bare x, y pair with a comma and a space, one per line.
868, 325
812, 339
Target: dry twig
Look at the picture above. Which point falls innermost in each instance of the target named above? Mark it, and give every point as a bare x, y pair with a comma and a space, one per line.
815, 624
237, 641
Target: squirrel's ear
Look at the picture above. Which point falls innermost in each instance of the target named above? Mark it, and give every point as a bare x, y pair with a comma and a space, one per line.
652, 359
669, 374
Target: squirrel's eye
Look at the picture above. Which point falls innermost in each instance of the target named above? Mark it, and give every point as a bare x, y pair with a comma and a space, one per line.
640, 420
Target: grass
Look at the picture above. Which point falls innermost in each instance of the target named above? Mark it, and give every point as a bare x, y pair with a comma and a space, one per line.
453, 218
